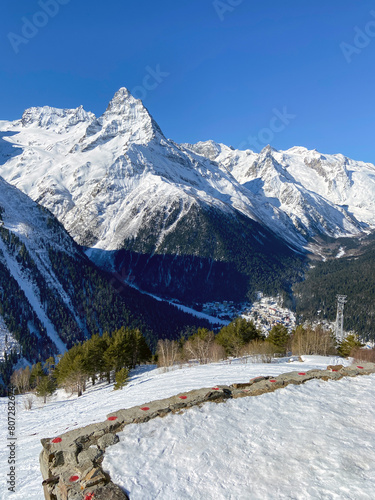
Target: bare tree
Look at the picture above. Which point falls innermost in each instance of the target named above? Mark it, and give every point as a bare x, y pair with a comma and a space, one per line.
260, 351
200, 348
168, 353
21, 379
313, 340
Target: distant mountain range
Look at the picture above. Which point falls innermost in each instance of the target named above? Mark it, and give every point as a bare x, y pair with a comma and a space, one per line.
194, 222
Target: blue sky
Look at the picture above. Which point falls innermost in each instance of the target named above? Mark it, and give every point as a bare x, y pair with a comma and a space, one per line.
206, 69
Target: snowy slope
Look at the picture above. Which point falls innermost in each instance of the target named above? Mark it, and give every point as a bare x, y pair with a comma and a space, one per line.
326, 194
27, 234
52, 296
300, 442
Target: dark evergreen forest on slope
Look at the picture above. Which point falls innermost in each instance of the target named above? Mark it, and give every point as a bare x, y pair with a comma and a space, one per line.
101, 304
352, 276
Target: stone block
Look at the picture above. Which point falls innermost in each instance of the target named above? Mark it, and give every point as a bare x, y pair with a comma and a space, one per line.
44, 464
108, 440
90, 455
108, 492
94, 477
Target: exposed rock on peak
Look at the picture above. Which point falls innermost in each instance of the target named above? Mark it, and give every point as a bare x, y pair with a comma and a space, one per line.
54, 118
125, 116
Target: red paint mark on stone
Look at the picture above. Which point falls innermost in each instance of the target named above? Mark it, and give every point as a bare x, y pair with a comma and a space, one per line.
215, 389
112, 418
183, 397
273, 380
56, 440
335, 370
360, 367
302, 373
73, 479
145, 408
89, 496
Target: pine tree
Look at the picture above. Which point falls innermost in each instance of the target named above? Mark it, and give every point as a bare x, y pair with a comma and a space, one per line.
49, 364
93, 356
46, 386
70, 372
121, 378
235, 335
348, 344
280, 337
37, 373
141, 351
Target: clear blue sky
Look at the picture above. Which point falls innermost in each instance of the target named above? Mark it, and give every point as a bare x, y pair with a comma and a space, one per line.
229, 65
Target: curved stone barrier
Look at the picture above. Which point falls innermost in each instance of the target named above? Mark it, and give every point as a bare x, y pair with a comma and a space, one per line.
71, 463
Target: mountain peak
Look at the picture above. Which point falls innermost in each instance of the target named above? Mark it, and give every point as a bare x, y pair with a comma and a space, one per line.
126, 114
120, 101
268, 150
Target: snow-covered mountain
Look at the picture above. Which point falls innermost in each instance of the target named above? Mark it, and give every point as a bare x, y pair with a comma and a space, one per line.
171, 217
117, 184
105, 177
317, 194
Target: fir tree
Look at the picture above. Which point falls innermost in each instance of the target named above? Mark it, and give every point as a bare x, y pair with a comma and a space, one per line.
49, 365
70, 372
93, 356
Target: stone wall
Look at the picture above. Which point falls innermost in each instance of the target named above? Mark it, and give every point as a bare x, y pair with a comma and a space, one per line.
71, 463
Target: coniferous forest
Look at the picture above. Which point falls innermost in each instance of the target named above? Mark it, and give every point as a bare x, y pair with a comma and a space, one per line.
352, 276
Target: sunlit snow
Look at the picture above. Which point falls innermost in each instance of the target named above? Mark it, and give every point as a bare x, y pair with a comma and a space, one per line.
302, 440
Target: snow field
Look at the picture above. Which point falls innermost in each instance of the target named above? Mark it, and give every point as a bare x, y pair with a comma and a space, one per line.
147, 383
314, 441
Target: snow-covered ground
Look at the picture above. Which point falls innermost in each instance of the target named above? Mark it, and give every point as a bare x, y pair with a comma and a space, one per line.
303, 442
310, 441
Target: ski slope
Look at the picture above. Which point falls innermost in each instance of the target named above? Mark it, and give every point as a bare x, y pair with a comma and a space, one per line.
305, 442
